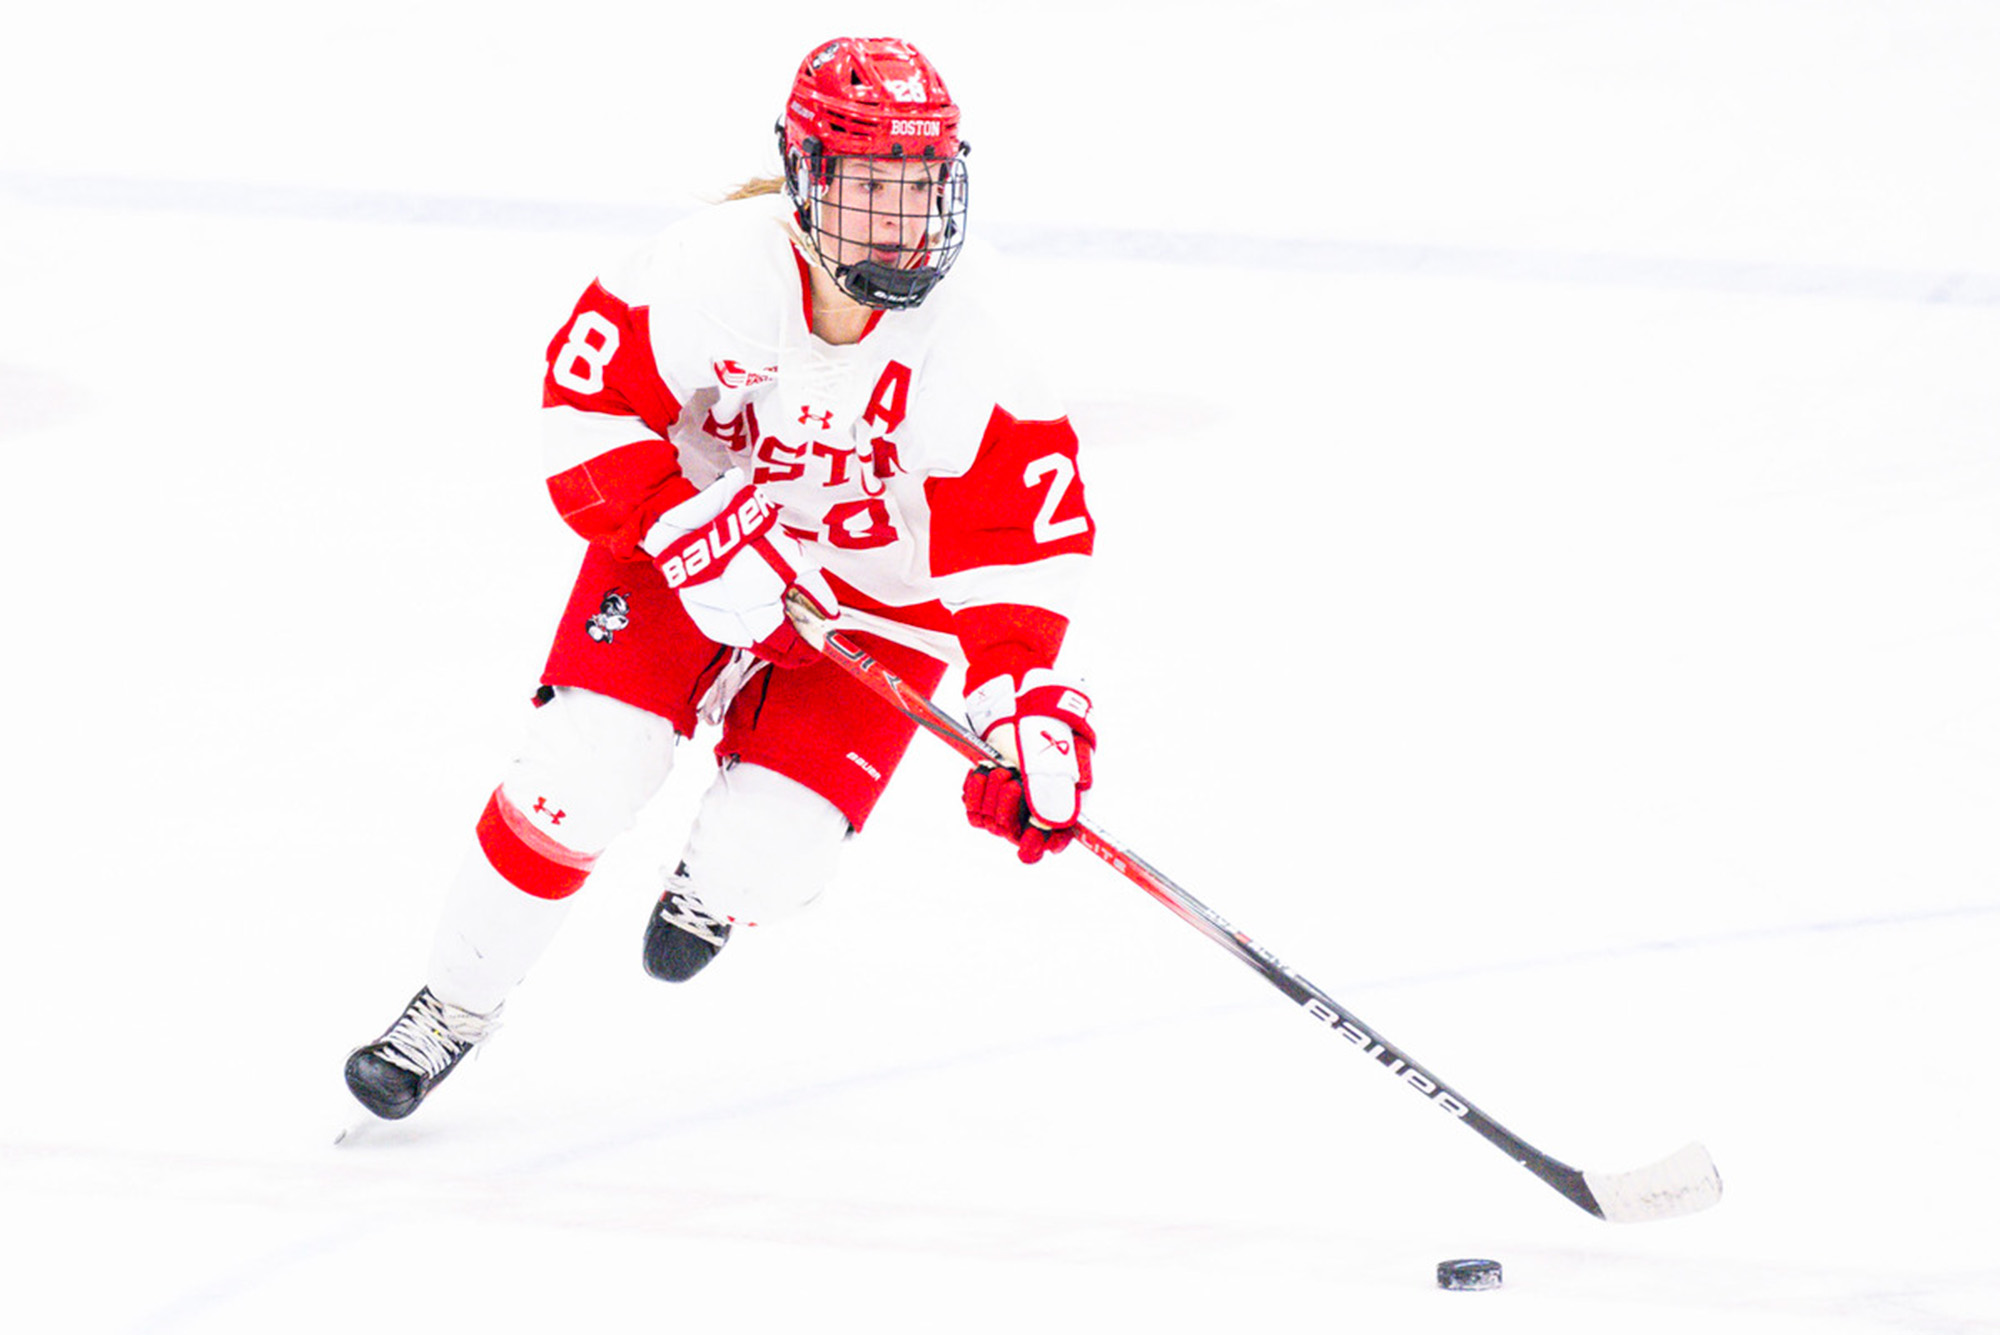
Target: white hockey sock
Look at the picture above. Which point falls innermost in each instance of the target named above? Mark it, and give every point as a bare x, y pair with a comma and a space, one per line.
489, 935
586, 766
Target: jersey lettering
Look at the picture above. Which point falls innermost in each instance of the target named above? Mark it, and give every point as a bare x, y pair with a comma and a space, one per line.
860, 525
775, 469
891, 399
739, 433
837, 458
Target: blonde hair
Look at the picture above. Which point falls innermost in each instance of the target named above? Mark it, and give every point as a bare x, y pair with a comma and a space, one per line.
755, 186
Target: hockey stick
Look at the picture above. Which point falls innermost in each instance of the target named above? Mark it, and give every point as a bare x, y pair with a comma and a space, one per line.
1681, 1183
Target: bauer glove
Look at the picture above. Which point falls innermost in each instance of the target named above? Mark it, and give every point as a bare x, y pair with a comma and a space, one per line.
722, 552
1042, 730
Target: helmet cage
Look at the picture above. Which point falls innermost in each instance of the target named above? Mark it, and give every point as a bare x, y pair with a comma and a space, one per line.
874, 107
830, 225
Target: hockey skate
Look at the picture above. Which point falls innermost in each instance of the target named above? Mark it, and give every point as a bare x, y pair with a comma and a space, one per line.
682, 936
395, 1073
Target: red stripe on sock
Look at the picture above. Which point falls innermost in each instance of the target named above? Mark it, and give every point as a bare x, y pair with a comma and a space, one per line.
528, 859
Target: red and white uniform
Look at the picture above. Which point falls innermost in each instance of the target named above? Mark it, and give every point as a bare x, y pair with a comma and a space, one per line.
922, 469
931, 476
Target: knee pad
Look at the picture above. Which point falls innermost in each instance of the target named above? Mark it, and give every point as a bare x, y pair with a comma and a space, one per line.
586, 767
763, 845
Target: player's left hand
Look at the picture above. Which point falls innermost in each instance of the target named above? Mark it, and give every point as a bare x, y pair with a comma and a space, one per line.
1042, 730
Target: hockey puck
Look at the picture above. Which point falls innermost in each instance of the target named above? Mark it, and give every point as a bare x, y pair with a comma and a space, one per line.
1468, 1274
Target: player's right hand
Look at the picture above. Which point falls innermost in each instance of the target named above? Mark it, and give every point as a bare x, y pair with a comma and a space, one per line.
722, 552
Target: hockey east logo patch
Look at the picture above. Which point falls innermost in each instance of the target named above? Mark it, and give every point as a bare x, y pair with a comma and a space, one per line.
613, 615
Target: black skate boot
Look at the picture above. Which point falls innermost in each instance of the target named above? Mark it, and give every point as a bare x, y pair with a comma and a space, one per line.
682, 936
392, 1075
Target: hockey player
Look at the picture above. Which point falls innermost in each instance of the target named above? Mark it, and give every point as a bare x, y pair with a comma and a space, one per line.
777, 395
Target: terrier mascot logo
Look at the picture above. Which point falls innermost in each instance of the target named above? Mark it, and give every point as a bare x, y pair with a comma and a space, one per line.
613, 615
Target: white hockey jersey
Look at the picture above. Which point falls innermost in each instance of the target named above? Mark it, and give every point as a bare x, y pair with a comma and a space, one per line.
924, 467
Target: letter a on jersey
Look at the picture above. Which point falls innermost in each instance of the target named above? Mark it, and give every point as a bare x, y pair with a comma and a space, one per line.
891, 400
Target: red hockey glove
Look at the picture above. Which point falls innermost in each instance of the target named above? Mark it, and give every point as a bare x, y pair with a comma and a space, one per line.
722, 552
1042, 729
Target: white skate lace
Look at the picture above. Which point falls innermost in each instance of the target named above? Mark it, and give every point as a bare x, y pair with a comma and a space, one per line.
432, 1034
686, 912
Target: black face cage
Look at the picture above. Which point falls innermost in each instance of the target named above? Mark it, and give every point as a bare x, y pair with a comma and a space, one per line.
889, 287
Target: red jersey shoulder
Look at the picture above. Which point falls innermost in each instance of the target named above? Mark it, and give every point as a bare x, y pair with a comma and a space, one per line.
1021, 501
632, 354
602, 361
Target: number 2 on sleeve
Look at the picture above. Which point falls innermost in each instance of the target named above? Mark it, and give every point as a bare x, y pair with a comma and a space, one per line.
1061, 472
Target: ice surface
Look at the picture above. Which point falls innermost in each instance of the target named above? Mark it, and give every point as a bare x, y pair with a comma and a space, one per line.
1548, 456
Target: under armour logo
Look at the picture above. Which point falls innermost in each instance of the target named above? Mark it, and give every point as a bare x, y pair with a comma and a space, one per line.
542, 808
807, 416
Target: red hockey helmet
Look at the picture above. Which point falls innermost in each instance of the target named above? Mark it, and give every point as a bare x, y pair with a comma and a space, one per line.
878, 99
870, 97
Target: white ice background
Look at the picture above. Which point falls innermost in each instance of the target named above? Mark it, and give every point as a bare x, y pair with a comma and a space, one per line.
1548, 461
